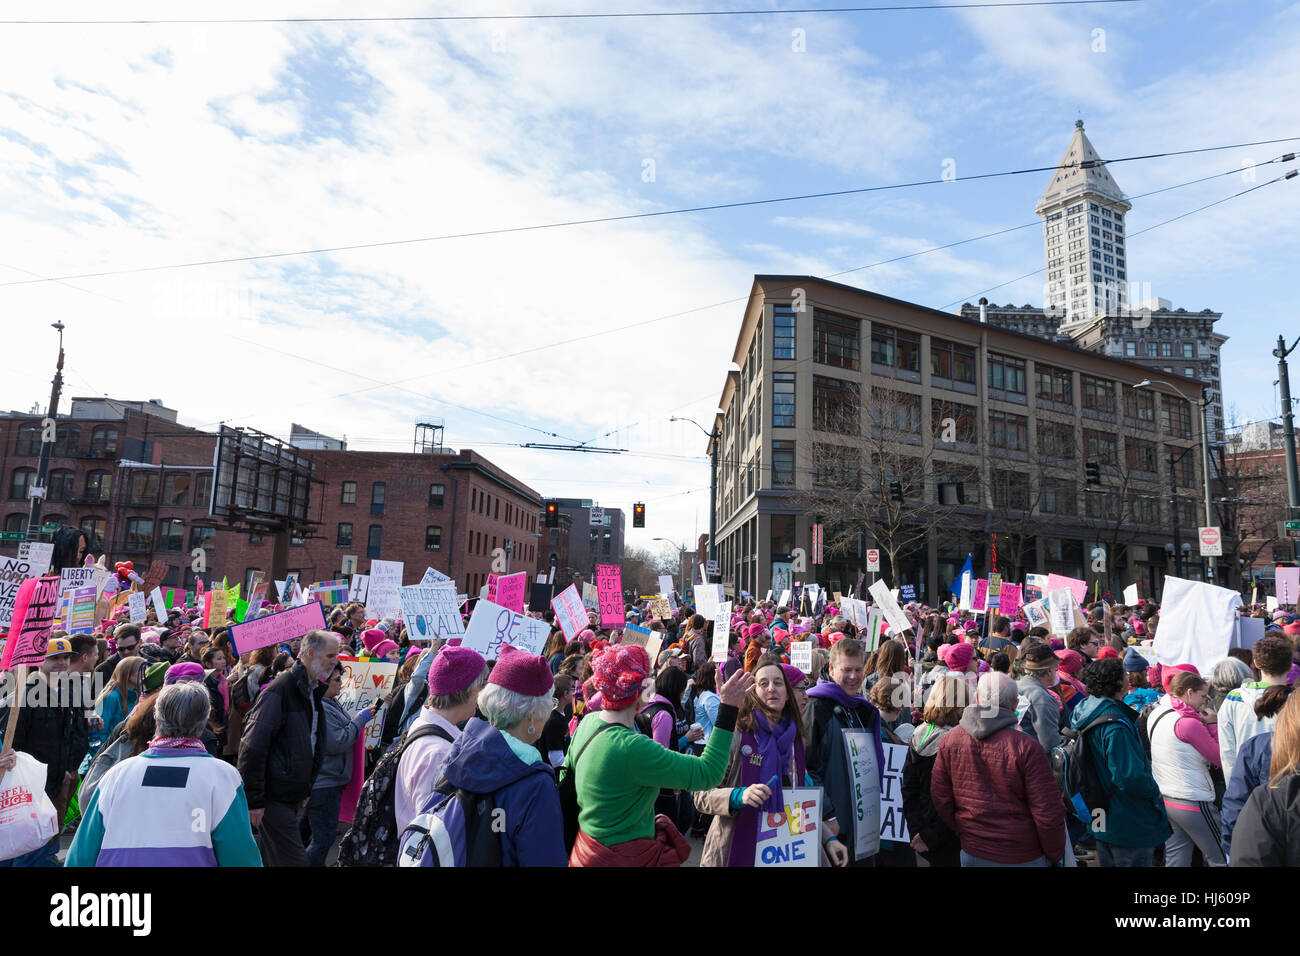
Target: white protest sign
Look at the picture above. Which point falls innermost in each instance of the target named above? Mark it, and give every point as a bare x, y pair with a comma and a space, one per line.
1197, 623
590, 596
721, 632
1036, 614
898, 622
492, 625
893, 825
39, 553
791, 837
801, 655
707, 599
139, 607
364, 683
358, 588
665, 584
385, 598
431, 611
570, 612
1270, 603
434, 576
1061, 611
159, 605
864, 785
12, 573
72, 578
785, 598
1131, 595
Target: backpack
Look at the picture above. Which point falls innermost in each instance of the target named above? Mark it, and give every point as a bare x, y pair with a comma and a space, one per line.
454, 828
645, 723
1075, 770
373, 838
1144, 724
240, 699
568, 787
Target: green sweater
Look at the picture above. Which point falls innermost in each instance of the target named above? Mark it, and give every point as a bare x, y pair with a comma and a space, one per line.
622, 772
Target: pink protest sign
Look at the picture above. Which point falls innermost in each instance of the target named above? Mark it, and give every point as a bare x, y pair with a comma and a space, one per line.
277, 628
492, 582
609, 595
510, 591
980, 599
1288, 585
570, 613
1009, 600
29, 631
1079, 589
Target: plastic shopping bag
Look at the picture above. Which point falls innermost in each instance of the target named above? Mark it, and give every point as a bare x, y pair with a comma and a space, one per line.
27, 817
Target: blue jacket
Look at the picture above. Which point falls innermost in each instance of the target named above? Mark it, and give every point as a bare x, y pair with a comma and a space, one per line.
1136, 817
533, 827
1250, 770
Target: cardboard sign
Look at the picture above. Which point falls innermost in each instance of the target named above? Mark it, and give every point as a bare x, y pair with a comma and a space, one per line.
492, 625
801, 655
1078, 588
792, 836
431, 611
1009, 600
38, 554
659, 609
214, 614
364, 683
139, 605
359, 588
609, 591
384, 598
510, 591
35, 602
434, 576
893, 824
570, 612
721, 632
634, 634
278, 628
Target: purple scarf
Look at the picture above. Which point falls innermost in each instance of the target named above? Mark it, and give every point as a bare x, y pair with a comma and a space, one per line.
774, 750
775, 747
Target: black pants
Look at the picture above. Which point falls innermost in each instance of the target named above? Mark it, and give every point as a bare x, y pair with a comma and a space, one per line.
279, 838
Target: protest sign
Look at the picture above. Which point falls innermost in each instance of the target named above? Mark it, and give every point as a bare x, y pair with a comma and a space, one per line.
570, 613
38, 554
898, 622
364, 683
214, 615
1288, 585
1035, 587
1131, 595
490, 589
979, 600
159, 606
431, 611
659, 609
328, 593
864, 785
634, 634
384, 598
1148, 653
174, 597
81, 611
1036, 614
539, 595
139, 605
433, 576
1061, 605
893, 825
1270, 604
721, 632
492, 625
590, 597
359, 588
1009, 599
800, 655
1249, 630
665, 584
1197, 623
278, 628
1078, 588
791, 837
35, 602
510, 591
707, 598
72, 578
609, 589
784, 599
906, 591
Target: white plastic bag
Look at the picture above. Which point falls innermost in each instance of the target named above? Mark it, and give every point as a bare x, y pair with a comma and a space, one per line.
27, 817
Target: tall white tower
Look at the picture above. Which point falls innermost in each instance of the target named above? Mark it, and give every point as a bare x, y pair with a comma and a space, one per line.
1083, 232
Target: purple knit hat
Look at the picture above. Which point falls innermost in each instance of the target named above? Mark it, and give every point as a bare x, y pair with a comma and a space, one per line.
454, 669
522, 673
180, 673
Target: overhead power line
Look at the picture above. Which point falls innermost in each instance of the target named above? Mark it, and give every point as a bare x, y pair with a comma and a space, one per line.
601, 220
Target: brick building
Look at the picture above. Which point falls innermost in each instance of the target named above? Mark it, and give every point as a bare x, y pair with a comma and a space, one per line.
553, 550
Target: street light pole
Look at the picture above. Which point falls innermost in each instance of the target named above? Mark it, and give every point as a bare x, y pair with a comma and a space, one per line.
714, 439
48, 428
1288, 436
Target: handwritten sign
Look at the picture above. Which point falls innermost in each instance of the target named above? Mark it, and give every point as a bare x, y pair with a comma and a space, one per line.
359, 588
590, 597
801, 655
434, 576
1010, 599
1078, 588
364, 683
430, 611
510, 591
38, 554
791, 837
898, 622
979, 600
139, 605
570, 613
279, 628
864, 785
893, 824
215, 612
35, 603
659, 609
609, 591
492, 625
13, 572
721, 632
384, 598
707, 599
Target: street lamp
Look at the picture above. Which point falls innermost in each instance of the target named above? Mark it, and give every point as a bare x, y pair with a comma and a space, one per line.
1205, 456
681, 562
714, 438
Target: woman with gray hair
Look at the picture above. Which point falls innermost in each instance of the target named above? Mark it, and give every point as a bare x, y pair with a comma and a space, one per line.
497, 755
1227, 675
173, 805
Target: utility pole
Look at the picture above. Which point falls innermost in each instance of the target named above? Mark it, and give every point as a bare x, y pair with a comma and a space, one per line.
1288, 436
1205, 472
48, 428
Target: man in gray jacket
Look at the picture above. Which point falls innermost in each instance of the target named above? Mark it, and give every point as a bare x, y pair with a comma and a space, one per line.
321, 821
1042, 715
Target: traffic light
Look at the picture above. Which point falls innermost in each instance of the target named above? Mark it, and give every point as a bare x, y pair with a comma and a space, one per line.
896, 491
552, 514
1094, 472
638, 515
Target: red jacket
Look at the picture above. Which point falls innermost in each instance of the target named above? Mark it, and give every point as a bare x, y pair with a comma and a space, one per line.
993, 787
667, 848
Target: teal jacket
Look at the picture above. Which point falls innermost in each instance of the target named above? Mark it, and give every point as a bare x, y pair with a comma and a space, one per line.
1136, 817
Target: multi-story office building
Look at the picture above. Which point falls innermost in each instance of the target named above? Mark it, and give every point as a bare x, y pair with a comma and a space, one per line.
997, 430
592, 542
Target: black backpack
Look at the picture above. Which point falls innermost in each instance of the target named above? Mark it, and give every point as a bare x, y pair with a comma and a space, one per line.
568, 787
373, 838
1075, 770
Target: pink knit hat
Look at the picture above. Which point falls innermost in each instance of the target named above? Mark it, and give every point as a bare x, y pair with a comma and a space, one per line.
1071, 662
372, 637
383, 648
522, 673
957, 656
454, 669
618, 672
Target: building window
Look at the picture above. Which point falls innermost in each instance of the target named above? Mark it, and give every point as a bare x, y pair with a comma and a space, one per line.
202, 490
1139, 406
203, 537
783, 330
256, 540
22, 482
103, 441
348, 496
59, 487
16, 522
68, 437
1058, 497
1175, 417
1100, 447
1140, 455
1184, 468
1054, 385
952, 361
782, 464
144, 488
29, 439
1189, 350
99, 484
94, 529
1145, 509
375, 541
836, 340
1130, 350
895, 348
835, 405
965, 423
783, 399
896, 414
436, 494
1098, 395
1153, 349
1006, 374
1189, 372
377, 498
171, 534
176, 489
433, 538
1008, 432
139, 535
1056, 440
1010, 490
344, 537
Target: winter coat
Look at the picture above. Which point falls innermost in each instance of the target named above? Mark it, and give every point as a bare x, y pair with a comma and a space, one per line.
1238, 723
1136, 816
1042, 718
923, 819
1183, 749
276, 759
1268, 830
56, 735
993, 787
533, 826
827, 717
340, 729
1253, 761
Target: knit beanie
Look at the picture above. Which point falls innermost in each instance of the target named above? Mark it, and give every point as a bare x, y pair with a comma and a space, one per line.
372, 637
383, 648
618, 672
522, 673
1168, 673
181, 673
1106, 652
1071, 662
1134, 662
957, 656
454, 669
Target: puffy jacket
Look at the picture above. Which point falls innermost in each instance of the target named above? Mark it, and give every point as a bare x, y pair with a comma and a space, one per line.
1136, 817
993, 787
340, 729
1042, 718
58, 736
1268, 830
276, 758
923, 819
1253, 761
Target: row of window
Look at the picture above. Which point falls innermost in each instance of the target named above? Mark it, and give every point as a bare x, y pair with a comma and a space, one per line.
67, 440
177, 487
